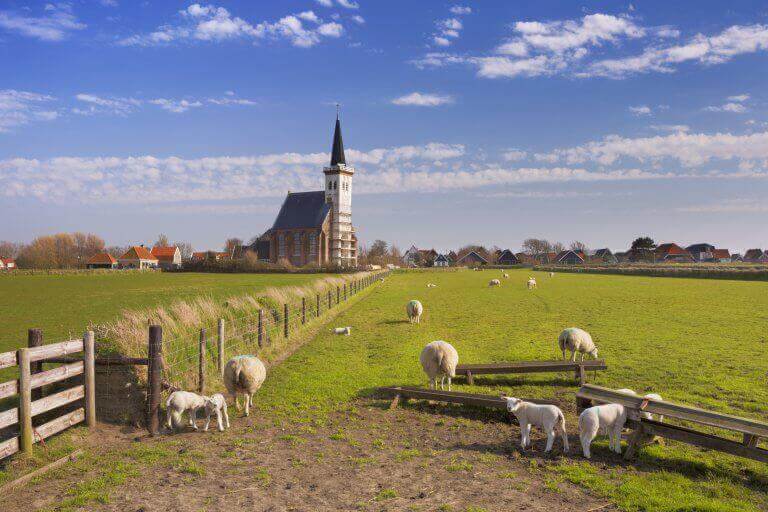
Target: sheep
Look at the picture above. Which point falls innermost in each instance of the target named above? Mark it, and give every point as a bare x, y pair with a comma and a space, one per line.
547, 417
551, 274
431, 285
648, 396
505, 275
439, 359
494, 282
576, 340
608, 418
180, 402
244, 375
217, 405
531, 283
413, 310
346, 331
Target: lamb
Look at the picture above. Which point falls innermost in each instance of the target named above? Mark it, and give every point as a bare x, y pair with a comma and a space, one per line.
648, 396
346, 331
431, 285
551, 274
609, 418
494, 282
505, 275
414, 309
531, 283
244, 375
439, 359
217, 405
576, 340
547, 417
180, 402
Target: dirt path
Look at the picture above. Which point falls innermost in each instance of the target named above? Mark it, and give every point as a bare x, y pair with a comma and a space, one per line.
362, 458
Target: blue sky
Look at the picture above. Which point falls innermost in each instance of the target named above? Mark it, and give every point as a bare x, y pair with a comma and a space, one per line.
483, 122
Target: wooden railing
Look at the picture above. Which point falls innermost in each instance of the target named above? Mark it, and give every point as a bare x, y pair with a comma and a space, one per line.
25, 358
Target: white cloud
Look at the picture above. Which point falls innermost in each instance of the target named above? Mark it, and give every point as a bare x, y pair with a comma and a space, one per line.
670, 127
736, 108
348, 4
54, 25
441, 41
325, 3
460, 10
176, 106
109, 3
740, 98
641, 110
514, 155
18, 108
98, 104
358, 19
419, 99
309, 16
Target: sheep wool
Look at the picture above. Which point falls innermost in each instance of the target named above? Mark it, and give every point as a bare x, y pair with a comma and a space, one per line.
244, 375
439, 359
413, 310
575, 340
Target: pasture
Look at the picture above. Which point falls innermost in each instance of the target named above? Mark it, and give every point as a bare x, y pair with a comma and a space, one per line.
699, 342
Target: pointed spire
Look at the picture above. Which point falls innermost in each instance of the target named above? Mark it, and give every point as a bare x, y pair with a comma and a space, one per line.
337, 153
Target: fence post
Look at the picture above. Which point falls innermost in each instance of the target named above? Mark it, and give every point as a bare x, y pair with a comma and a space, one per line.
338, 294
285, 320
318, 305
201, 362
89, 379
25, 401
303, 310
260, 328
220, 347
35, 339
155, 377
345, 291
329, 299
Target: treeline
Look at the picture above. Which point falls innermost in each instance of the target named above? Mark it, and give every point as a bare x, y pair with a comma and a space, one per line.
379, 253
62, 250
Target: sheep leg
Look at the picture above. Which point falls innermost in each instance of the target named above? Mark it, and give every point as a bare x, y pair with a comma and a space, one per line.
550, 440
617, 439
442, 383
237, 404
207, 422
523, 435
218, 420
528, 434
226, 414
564, 435
449, 383
193, 419
248, 399
573, 356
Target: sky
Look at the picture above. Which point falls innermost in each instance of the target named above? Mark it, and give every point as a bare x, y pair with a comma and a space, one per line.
467, 122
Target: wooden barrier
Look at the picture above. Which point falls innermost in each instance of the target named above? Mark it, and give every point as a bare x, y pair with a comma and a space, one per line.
750, 430
578, 367
455, 397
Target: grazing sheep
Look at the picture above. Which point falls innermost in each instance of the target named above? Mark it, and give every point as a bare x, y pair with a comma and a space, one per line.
549, 418
608, 418
494, 282
551, 274
431, 285
531, 283
180, 402
346, 331
439, 359
505, 275
244, 375
576, 340
217, 405
414, 309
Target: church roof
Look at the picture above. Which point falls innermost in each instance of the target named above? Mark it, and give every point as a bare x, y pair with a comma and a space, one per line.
303, 210
337, 154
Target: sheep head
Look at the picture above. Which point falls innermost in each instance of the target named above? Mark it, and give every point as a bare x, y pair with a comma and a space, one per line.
513, 404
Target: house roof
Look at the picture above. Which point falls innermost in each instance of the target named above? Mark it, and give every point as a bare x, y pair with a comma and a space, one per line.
566, 252
138, 252
302, 210
441, 257
102, 258
164, 253
603, 252
719, 254
199, 255
337, 153
671, 249
472, 253
700, 248
506, 254
753, 254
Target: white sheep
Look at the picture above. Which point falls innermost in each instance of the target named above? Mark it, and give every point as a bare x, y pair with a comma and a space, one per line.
531, 284
576, 340
413, 310
549, 418
217, 405
648, 396
439, 359
505, 275
431, 285
551, 274
345, 331
180, 402
494, 282
608, 418
244, 375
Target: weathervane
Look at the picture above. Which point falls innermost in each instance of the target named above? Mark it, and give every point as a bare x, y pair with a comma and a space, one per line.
338, 107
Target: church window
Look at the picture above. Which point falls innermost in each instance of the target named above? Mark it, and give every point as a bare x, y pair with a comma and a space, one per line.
297, 239
313, 243
281, 245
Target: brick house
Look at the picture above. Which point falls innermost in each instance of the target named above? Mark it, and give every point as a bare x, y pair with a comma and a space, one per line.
7, 264
604, 256
570, 257
755, 256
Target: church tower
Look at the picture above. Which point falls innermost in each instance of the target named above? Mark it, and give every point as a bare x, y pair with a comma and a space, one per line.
342, 250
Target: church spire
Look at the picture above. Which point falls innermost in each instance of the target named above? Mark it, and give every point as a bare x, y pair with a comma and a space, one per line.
337, 153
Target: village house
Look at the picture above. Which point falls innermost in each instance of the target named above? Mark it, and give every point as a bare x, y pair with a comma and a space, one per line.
169, 258
7, 264
507, 257
137, 257
524, 257
441, 261
672, 253
570, 257
471, 259
101, 260
545, 258
755, 256
604, 256
701, 252
721, 255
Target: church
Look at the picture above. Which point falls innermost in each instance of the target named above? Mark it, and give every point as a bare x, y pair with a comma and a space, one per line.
315, 228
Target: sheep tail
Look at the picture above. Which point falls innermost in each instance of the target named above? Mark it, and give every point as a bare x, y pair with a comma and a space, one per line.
561, 422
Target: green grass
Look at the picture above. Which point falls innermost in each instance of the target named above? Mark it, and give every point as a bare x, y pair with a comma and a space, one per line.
701, 342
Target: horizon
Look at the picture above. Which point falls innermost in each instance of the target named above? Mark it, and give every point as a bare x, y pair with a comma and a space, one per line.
467, 124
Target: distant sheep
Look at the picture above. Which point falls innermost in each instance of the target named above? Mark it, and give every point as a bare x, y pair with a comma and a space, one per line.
549, 418
342, 331
431, 285
551, 274
531, 284
439, 359
244, 375
180, 402
413, 310
217, 405
494, 282
576, 340
505, 275
608, 418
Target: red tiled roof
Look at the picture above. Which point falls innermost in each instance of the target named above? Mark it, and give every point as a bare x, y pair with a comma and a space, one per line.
103, 258
720, 254
137, 252
671, 249
200, 255
164, 253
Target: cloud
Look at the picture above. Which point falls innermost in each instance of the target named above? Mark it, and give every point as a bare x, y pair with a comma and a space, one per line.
740, 98
736, 108
113, 105
208, 23
670, 127
18, 108
176, 106
447, 30
641, 110
460, 10
358, 19
325, 3
419, 99
514, 155
728, 206
348, 4
122, 106
55, 24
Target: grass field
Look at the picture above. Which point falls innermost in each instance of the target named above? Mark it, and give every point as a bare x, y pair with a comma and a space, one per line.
63, 305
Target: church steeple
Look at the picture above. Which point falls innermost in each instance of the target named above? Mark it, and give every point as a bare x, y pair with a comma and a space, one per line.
337, 153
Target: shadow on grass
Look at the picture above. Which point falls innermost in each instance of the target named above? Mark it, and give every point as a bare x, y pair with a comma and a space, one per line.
558, 381
392, 322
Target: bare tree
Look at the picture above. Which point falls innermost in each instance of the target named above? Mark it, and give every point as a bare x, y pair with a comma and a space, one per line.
9, 249
185, 248
231, 245
578, 246
162, 241
535, 246
558, 247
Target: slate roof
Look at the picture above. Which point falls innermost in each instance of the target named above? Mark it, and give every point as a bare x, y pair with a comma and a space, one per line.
601, 253
700, 248
507, 255
303, 210
337, 153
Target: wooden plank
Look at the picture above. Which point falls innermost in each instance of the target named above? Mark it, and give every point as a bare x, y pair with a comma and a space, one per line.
530, 367
456, 397
53, 401
34, 474
7, 359
55, 349
9, 417
9, 447
104, 360
89, 378
9, 388
672, 410
46, 430
56, 374
25, 401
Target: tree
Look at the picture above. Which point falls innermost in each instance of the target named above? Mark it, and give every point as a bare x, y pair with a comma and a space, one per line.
558, 247
231, 245
378, 249
535, 246
162, 241
578, 246
185, 248
9, 249
643, 242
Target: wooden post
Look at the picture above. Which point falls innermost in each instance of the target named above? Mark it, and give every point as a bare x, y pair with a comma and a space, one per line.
345, 291
155, 378
581, 374
317, 311
329, 299
201, 363
303, 310
89, 366
25, 401
285, 320
470, 378
35, 339
338, 294
220, 347
260, 328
